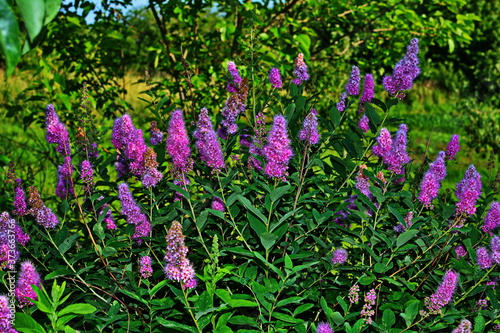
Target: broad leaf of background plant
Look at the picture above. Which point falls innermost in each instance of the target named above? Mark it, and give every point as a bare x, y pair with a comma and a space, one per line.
33, 12
9, 37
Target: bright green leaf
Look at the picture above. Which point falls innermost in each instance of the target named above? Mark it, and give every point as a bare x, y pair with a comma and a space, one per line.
10, 40
33, 12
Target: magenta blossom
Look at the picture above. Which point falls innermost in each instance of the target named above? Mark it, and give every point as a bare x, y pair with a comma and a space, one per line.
278, 151
27, 277
309, 132
444, 294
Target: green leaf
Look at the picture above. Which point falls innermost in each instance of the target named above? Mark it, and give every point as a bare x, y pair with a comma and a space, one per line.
253, 209
177, 326
243, 320
10, 40
51, 9
405, 237
286, 318
388, 318
77, 308
156, 288
134, 296
278, 193
99, 230
479, 324
410, 312
61, 321
67, 243
108, 251
33, 12
268, 239
372, 115
26, 324
337, 318
302, 308
366, 280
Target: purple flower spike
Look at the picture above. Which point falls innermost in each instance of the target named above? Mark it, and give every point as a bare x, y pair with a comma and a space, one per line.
352, 86
19, 200
444, 294
178, 267
6, 315
492, 219
56, 131
367, 312
495, 249
300, 71
64, 183
398, 155
324, 328
341, 104
384, 145
207, 143
275, 78
278, 151
464, 327
468, 191
42, 214
309, 132
87, 176
234, 80
151, 176
156, 136
453, 147
364, 123
27, 277
133, 213
368, 89
178, 143
145, 267
432, 180
483, 258
405, 71
339, 256
218, 204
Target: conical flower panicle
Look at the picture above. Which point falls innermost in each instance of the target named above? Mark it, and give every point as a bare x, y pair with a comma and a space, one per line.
368, 89
178, 143
309, 132
444, 294
405, 71
133, 214
207, 143
27, 277
492, 219
278, 151
453, 147
151, 176
468, 191
42, 214
300, 71
431, 182
352, 86
156, 136
56, 131
178, 267
20, 208
234, 79
275, 78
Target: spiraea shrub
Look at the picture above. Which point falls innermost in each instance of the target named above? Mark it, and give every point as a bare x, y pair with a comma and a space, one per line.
270, 215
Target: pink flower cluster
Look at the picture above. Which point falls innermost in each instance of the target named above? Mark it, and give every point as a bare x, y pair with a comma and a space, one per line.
300, 71
405, 71
145, 267
393, 152
133, 214
431, 182
133, 157
27, 277
11, 235
367, 312
444, 294
207, 143
468, 191
278, 151
178, 267
309, 131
